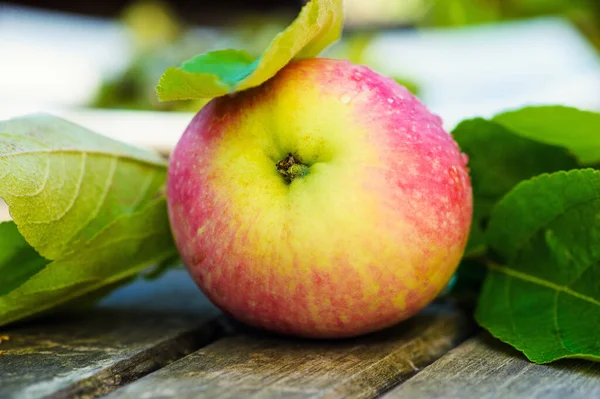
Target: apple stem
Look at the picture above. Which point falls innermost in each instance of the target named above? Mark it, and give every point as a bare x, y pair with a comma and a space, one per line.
291, 168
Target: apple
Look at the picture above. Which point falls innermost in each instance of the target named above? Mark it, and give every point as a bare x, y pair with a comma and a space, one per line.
327, 202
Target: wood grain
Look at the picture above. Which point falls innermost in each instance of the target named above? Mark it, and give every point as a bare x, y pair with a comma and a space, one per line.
136, 330
485, 368
255, 365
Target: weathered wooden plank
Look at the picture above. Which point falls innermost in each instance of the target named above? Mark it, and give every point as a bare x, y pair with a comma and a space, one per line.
484, 368
136, 330
255, 365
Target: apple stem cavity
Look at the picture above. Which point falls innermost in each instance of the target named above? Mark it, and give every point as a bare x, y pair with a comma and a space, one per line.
291, 168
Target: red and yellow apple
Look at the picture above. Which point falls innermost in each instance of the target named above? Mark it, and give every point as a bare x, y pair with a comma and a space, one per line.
327, 202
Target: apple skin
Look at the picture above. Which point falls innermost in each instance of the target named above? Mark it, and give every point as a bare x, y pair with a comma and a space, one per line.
367, 238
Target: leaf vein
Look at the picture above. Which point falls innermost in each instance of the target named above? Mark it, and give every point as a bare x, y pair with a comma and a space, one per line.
555, 317
88, 151
94, 214
513, 326
146, 186
122, 239
524, 204
74, 197
548, 284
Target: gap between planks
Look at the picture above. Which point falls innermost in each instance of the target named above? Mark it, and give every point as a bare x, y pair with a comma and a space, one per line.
84, 354
143, 363
485, 368
259, 365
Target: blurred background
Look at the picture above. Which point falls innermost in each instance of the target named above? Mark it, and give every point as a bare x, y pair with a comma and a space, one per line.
97, 63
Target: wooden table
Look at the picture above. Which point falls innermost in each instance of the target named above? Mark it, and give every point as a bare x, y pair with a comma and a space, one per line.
163, 339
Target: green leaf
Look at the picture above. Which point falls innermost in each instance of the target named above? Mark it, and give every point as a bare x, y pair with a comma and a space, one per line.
226, 71
64, 183
460, 12
576, 130
18, 260
93, 207
542, 295
124, 248
498, 160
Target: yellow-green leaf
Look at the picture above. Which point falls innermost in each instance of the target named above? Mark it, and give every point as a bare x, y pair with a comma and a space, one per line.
226, 71
88, 214
64, 183
126, 246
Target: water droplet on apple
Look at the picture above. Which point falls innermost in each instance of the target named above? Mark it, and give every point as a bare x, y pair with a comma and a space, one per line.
346, 98
357, 76
390, 100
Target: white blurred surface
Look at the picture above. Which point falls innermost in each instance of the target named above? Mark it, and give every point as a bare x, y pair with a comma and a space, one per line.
152, 130
483, 70
54, 63
56, 58
3, 211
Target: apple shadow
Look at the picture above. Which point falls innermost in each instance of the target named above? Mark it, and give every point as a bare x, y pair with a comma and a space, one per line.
441, 310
